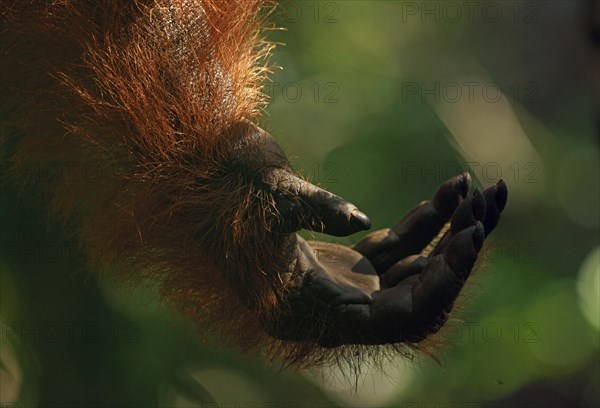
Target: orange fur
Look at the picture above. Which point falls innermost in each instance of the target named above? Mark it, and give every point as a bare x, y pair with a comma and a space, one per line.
154, 96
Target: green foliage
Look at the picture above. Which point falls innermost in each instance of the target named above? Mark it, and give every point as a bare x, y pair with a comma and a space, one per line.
364, 107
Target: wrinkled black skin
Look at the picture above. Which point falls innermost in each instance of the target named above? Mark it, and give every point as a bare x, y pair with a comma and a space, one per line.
380, 291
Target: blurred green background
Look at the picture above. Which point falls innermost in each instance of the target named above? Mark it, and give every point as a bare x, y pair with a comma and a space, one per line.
379, 102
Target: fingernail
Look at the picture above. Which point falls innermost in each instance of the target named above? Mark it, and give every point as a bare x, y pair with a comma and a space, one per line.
478, 236
359, 220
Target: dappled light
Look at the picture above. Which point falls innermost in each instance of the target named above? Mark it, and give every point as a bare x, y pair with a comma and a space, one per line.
378, 103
